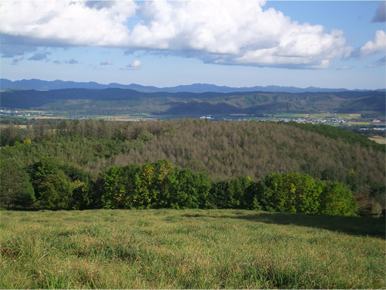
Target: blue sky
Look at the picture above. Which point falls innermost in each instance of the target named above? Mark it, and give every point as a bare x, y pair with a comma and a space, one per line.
331, 44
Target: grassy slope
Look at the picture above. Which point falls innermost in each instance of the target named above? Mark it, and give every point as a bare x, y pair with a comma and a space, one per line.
189, 249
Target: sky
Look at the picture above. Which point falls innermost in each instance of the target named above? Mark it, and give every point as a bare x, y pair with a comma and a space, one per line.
329, 44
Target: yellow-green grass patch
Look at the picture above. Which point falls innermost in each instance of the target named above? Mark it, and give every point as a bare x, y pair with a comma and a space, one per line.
349, 116
284, 115
20, 126
379, 140
321, 116
189, 249
358, 123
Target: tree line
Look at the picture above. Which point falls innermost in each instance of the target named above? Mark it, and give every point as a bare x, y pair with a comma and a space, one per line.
53, 185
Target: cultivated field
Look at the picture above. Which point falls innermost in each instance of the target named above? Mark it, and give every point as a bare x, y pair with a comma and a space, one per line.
358, 123
321, 116
379, 140
349, 116
20, 126
189, 249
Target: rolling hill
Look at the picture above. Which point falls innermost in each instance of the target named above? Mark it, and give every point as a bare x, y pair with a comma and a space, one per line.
113, 101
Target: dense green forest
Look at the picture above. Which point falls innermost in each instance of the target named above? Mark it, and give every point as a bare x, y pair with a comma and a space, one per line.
208, 161
115, 101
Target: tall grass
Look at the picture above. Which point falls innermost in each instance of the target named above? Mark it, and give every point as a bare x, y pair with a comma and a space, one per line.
189, 249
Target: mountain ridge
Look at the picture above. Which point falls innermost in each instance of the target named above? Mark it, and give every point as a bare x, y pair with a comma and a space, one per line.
37, 84
113, 101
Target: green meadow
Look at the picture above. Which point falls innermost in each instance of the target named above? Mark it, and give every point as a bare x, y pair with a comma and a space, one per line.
349, 116
189, 249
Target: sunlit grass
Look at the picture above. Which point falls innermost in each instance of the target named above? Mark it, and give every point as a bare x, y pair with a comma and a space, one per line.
189, 249
358, 123
349, 116
379, 140
321, 116
285, 115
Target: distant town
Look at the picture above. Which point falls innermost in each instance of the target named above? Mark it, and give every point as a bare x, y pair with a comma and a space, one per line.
333, 118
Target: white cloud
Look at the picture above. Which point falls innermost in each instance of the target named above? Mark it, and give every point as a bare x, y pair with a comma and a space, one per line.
133, 66
109, 62
222, 32
69, 23
371, 47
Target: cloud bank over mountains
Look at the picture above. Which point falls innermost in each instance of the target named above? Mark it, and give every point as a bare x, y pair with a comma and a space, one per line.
219, 32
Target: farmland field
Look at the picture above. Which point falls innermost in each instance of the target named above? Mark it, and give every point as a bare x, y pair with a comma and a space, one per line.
358, 123
284, 116
379, 140
349, 116
20, 126
189, 249
321, 116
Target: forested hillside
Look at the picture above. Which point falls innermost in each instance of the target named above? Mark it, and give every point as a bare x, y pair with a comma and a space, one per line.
219, 149
126, 101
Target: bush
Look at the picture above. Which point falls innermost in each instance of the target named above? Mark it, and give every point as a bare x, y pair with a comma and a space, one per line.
15, 187
289, 192
56, 191
336, 199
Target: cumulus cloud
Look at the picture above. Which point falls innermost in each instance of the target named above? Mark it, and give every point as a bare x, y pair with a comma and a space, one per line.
67, 22
133, 66
57, 61
72, 61
109, 62
371, 47
12, 46
38, 56
221, 32
380, 13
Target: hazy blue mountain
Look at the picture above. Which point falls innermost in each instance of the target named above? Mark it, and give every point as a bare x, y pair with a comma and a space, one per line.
36, 84
118, 101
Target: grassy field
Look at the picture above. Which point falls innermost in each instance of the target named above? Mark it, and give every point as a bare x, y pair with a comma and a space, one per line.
189, 249
20, 126
321, 116
284, 116
379, 140
349, 116
358, 123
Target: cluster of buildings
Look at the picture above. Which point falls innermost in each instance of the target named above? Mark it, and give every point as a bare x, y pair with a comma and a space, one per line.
14, 113
336, 121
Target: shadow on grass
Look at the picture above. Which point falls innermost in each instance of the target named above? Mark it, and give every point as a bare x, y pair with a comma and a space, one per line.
358, 226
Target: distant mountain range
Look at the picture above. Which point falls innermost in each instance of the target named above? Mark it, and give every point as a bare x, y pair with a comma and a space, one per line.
117, 101
36, 84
